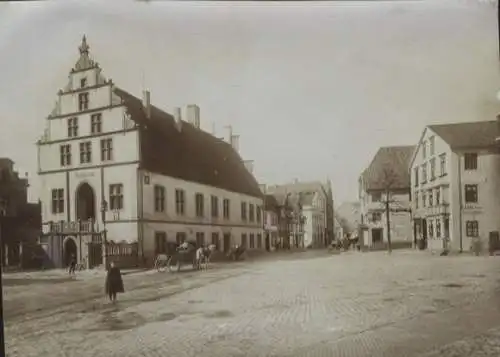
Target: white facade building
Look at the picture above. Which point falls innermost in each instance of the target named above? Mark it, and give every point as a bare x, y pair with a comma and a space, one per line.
455, 185
108, 160
316, 204
386, 180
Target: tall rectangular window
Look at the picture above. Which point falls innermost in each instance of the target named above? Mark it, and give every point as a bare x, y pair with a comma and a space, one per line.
199, 204
251, 212
424, 173
259, 240
58, 200
415, 175
159, 192
244, 240
225, 208
106, 149
432, 163
442, 163
214, 202
215, 239
65, 155
85, 152
96, 123
244, 211
180, 202
83, 101
432, 142
471, 194
116, 196
472, 228
259, 213
470, 161
72, 127
252, 240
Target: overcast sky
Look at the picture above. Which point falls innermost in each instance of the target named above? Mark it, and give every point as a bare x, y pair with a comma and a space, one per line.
314, 89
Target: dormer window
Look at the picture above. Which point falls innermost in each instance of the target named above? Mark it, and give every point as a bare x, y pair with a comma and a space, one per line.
83, 82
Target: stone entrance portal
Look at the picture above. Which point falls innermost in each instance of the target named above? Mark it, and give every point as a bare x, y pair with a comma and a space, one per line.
85, 202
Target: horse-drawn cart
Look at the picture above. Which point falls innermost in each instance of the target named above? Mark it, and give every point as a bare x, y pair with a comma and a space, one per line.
177, 257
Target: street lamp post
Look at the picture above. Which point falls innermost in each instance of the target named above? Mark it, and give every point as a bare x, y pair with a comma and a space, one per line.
104, 209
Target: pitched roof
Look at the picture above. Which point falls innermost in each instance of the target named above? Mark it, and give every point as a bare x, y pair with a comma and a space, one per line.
389, 168
270, 202
472, 134
189, 153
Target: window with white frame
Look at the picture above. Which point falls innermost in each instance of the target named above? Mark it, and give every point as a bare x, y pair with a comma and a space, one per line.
180, 202
431, 198
199, 204
438, 228
244, 211
83, 101
214, 202
472, 228
96, 123
424, 150
72, 127
251, 212
471, 194
432, 142
432, 164
225, 208
58, 201
442, 163
470, 161
86, 152
159, 195
106, 149
65, 155
116, 196
424, 173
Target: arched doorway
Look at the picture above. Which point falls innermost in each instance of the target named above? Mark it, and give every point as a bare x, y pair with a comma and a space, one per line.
70, 250
85, 202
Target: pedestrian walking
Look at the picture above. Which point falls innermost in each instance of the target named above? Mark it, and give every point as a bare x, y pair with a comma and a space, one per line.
72, 265
114, 282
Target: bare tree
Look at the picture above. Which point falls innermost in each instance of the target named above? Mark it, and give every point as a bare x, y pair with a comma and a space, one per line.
389, 180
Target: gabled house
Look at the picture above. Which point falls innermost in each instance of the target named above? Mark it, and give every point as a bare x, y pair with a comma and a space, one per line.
316, 201
455, 185
384, 186
124, 180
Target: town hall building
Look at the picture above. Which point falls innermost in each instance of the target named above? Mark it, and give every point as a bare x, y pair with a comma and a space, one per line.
119, 173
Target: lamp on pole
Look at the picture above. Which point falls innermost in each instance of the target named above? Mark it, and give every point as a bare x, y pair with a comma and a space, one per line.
2, 336
104, 209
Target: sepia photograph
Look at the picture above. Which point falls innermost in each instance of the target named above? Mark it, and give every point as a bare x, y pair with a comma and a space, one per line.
250, 178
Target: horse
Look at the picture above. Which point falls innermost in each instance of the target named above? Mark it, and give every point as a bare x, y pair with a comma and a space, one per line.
203, 255
162, 261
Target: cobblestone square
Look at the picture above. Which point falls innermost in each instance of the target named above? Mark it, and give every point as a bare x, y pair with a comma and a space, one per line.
354, 304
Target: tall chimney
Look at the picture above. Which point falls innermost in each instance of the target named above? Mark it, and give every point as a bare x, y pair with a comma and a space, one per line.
146, 103
193, 115
249, 165
229, 134
235, 142
177, 117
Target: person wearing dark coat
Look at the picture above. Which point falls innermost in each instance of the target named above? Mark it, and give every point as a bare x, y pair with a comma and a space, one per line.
114, 282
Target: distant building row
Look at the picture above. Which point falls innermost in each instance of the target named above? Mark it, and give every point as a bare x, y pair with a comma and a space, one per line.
443, 193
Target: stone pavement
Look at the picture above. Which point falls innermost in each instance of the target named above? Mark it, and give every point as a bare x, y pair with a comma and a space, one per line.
354, 304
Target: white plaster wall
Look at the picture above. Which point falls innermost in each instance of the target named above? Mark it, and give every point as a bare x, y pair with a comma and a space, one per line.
171, 223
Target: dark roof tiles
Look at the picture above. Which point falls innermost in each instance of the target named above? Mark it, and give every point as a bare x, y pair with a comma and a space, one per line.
186, 152
389, 168
472, 134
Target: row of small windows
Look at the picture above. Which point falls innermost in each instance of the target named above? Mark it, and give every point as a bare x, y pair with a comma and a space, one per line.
86, 152
434, 228
255, 213
115, 198
95, 125
432, 168
433, 197
250, 241
470, 164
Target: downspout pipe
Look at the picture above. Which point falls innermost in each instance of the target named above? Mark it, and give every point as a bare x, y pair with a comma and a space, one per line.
460, 193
